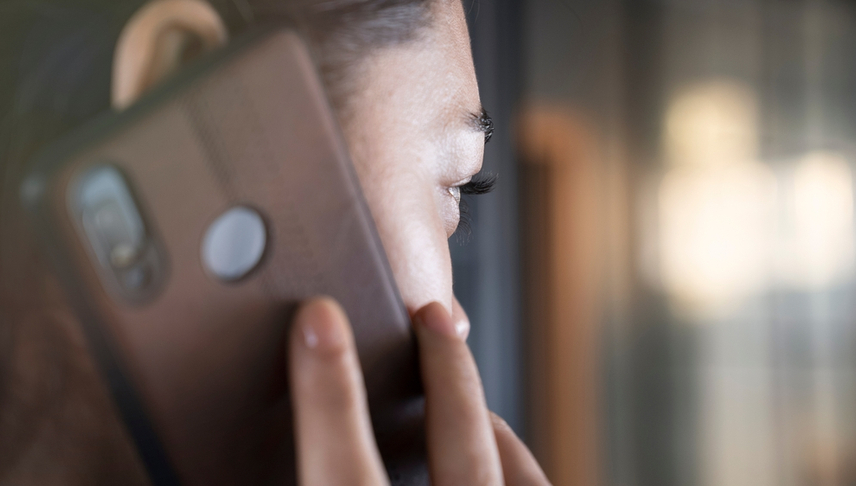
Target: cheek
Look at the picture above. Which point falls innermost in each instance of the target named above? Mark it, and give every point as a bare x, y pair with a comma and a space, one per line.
412, 228
419, 255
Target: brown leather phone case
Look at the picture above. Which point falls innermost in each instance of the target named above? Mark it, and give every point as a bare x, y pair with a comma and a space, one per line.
196, 363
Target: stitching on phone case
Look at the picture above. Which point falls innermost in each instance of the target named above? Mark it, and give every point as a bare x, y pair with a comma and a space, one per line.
245, 140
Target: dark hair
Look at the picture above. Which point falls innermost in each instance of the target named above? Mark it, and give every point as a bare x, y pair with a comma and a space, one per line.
55, 70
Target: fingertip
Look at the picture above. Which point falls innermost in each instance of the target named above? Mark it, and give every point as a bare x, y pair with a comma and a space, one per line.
462, 321
462, 328
499, 424
435, 319
519, 466
321, 325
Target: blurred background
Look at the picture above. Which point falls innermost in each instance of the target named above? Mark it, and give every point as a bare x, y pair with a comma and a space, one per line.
662, 288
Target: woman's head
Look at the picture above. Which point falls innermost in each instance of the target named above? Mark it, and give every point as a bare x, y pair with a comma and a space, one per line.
407, 100
406, 63
399, 73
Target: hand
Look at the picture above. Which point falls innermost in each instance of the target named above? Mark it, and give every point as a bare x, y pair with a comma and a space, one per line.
467, 445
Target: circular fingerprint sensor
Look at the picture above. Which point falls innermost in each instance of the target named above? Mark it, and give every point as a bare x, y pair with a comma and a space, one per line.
234, 243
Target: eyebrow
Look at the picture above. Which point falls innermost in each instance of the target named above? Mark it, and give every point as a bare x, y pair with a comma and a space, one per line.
483, 123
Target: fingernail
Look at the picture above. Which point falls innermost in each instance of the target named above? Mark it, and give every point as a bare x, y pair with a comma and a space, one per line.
322, 323
462, 322
434, 317
462, 327
499, 423
310, 338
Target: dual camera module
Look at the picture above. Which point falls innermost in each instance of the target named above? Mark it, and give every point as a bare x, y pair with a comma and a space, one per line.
133, 261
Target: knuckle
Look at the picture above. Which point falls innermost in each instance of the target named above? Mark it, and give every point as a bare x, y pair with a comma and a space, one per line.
476, 474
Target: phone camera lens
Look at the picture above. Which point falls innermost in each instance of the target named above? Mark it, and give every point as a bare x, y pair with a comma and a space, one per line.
112, 223
108, 216
123, 255
137, 277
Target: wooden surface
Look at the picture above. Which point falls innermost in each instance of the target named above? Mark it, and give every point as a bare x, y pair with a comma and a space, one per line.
561, 251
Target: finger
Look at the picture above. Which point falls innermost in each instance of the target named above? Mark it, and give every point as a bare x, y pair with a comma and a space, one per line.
461, 444
333, 433
519, 467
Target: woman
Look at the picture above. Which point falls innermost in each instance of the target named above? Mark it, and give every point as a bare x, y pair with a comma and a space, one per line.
401, 78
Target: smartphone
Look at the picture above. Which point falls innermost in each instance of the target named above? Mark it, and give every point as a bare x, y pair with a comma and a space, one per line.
187, 228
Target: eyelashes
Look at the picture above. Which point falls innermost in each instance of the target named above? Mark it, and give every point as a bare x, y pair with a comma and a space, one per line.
480, 184
485, 124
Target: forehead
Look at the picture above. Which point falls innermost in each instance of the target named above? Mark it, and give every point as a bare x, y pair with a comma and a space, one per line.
416, 102
450, 39
430, 77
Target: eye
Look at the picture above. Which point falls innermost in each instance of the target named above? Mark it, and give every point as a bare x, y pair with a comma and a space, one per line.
480, 184
455, 192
